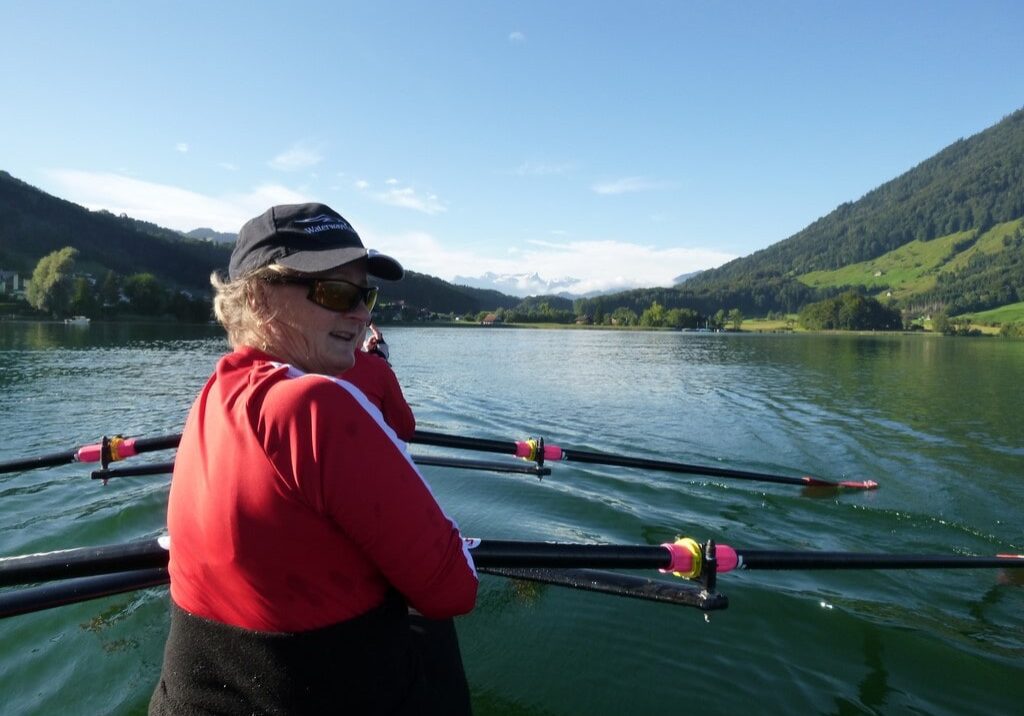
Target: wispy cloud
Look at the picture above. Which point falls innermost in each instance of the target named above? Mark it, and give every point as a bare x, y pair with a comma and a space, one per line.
169, 206
404, 197
628, 185
407, 198
516, 37
598, 264
298, 156
228, 166
181, 147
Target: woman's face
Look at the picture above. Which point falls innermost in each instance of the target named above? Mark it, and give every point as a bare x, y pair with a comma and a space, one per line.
311, 337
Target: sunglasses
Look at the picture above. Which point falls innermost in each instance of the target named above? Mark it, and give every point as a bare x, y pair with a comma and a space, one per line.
335, 294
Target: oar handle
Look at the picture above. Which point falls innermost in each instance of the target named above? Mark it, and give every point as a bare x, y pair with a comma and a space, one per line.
120, 448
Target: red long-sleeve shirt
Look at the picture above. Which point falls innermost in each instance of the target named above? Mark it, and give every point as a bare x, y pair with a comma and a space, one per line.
294, 507
372, 375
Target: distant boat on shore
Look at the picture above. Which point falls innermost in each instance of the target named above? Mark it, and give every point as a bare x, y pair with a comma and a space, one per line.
77, 321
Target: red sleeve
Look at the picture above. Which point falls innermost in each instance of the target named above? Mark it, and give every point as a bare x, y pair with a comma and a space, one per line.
351, 471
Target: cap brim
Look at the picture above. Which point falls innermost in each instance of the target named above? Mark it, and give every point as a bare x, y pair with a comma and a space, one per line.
377, 264
382, 266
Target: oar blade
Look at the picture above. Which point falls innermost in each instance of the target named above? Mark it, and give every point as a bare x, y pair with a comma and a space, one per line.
621, 585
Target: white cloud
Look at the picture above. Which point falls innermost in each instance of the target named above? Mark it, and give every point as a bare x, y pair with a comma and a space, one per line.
228, 166
362, 184
628, 185
299, 156
516, 37
405, 198
598, 265
181, 147
168, 206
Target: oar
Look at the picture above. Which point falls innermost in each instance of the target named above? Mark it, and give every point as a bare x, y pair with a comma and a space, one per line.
617, 584
165, 468
106, 451
539, 452
82, 589
93, 572
685, 557
72, 591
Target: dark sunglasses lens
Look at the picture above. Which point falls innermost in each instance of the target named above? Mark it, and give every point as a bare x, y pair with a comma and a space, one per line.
341, 296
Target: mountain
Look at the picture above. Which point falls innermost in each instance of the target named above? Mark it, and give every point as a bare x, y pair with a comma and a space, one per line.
684, 277
211, 235
949, 221
520, 284
437, 295
34, 223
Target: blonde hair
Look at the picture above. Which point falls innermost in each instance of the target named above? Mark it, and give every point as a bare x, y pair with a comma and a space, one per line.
242, 306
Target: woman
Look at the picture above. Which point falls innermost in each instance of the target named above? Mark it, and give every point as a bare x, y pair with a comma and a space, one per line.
300, 529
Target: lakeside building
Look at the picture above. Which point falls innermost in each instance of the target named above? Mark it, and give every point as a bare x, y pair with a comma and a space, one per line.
12, 284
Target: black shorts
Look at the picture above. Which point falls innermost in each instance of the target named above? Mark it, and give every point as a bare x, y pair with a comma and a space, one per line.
384, 662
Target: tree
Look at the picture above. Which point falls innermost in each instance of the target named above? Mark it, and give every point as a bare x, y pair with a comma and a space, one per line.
718, 321
736, 318
110, 290
145, 293
83, 298
653, 316
850, 312
681, 318
50, 288
624, 317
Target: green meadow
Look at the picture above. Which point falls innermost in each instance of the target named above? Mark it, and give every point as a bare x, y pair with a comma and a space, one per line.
914, 267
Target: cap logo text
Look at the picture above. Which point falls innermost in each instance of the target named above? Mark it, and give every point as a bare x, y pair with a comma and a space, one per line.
323, 222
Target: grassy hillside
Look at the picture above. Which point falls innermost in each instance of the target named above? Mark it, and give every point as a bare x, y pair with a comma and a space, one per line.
914, 269
1011, 313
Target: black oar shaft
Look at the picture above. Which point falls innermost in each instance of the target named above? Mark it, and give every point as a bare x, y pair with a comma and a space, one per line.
48, 596
510, 467
166, 468
781, 560
676, 467
156, 468
81, 561
163, 442
504, 553
32, 463
533, 450
425, 437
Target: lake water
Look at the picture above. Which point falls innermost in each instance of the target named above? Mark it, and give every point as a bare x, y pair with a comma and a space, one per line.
936, 421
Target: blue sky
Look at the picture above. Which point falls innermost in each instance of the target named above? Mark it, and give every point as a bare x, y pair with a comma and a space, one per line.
619, 143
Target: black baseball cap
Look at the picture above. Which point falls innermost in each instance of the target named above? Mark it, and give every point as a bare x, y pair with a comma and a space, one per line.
305, 237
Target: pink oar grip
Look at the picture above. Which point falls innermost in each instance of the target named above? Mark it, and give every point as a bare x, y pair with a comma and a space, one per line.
525, 449
89, 453
682, 559
94, 453
127, 448
726, 557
